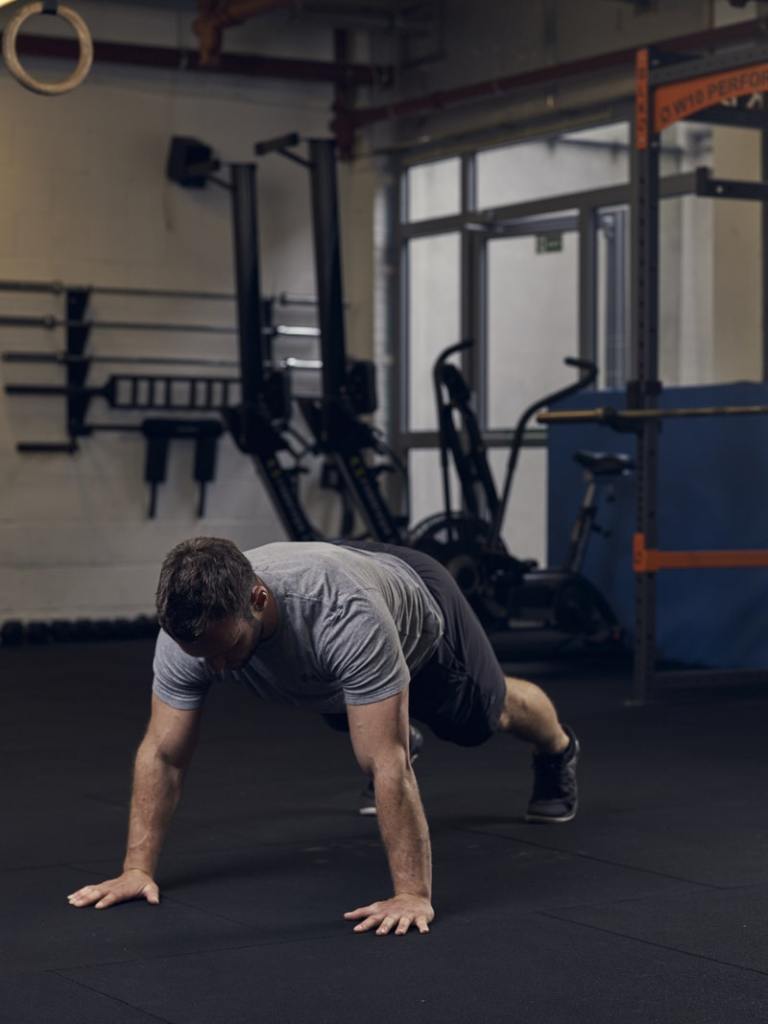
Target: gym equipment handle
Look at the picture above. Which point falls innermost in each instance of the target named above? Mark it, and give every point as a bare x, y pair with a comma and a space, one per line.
583, 382
277, 144
587, 365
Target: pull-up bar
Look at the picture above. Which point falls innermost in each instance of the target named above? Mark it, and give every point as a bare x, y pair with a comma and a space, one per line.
611, 417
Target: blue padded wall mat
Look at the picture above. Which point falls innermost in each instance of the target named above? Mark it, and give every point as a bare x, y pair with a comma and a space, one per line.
713, 493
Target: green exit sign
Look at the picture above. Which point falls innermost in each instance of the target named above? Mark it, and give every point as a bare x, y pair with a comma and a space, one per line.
550, 241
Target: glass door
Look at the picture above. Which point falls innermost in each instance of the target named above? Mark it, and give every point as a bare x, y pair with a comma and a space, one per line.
530, 301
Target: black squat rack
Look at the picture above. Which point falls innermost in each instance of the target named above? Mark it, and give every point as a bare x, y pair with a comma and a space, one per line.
723, 89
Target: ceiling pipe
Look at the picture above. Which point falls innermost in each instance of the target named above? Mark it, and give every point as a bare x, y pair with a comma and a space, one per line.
347, 122
245, 64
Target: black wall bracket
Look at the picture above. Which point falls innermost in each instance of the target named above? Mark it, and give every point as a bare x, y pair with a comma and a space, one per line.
159, 433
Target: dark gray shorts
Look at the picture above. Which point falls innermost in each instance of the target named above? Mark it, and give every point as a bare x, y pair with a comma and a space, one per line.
459, 693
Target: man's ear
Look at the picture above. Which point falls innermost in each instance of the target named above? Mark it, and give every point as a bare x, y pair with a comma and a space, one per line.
259, 597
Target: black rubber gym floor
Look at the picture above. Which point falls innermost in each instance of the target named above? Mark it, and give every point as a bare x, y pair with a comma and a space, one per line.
652, 906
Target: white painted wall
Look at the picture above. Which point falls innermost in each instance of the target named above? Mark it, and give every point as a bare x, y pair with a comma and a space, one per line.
85, 201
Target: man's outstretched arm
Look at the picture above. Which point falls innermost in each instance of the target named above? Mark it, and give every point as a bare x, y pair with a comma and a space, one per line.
161, 762
380, 738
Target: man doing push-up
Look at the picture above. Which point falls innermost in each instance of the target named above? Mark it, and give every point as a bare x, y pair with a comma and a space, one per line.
377, 633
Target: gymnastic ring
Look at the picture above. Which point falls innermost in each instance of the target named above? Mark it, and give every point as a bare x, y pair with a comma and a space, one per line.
85, 41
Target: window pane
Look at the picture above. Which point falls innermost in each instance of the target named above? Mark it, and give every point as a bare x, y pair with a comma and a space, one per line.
590, 159
687, 307
434, 302
533, 323
434, 190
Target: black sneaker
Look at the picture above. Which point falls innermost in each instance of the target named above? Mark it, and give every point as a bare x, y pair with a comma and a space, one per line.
367, 805
555, 793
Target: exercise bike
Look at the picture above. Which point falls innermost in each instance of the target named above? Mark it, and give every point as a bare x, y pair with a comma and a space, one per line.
510, 594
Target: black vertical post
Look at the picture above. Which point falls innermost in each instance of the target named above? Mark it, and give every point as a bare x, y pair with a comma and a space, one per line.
389, 340
257, 434
344, 436
764, 248
78, 330
470, 300
643, 390
404, 305
327, 243
587, 283
473, 359
249, 302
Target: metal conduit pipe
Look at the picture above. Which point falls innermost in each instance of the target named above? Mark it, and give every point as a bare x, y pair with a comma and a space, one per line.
50, 323
348, 121
182, 59
59, 288
65, 359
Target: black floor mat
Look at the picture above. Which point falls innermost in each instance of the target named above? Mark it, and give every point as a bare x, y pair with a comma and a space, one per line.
649, 907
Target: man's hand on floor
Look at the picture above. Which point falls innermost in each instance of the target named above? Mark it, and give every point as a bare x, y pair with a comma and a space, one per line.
131, 885
401, 913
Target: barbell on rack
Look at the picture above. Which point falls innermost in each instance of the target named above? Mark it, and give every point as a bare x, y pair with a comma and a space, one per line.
59, 288
624, 419
68, 359
51, 322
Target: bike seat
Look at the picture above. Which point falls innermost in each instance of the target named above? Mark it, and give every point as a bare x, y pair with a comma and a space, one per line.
605, 463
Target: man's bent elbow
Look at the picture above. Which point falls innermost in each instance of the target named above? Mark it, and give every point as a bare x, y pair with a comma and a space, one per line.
152, 755
393, 771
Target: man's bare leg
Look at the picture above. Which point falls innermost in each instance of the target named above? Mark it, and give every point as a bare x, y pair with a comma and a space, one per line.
530, 715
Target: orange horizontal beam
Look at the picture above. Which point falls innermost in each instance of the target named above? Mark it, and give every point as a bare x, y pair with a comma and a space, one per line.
673, 102
652, 560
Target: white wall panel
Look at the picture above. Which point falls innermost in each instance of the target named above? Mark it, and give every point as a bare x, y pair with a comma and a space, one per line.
84, 200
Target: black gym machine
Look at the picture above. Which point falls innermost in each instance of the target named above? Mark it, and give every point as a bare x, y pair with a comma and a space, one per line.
510, 596
261, 424
355, 448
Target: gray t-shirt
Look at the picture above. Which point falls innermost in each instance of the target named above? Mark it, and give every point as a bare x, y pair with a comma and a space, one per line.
353, 627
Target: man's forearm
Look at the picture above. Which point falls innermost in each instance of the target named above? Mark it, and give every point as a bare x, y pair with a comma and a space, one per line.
405, 832
156, 790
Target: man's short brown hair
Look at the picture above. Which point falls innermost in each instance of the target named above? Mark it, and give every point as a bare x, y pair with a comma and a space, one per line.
202, 580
